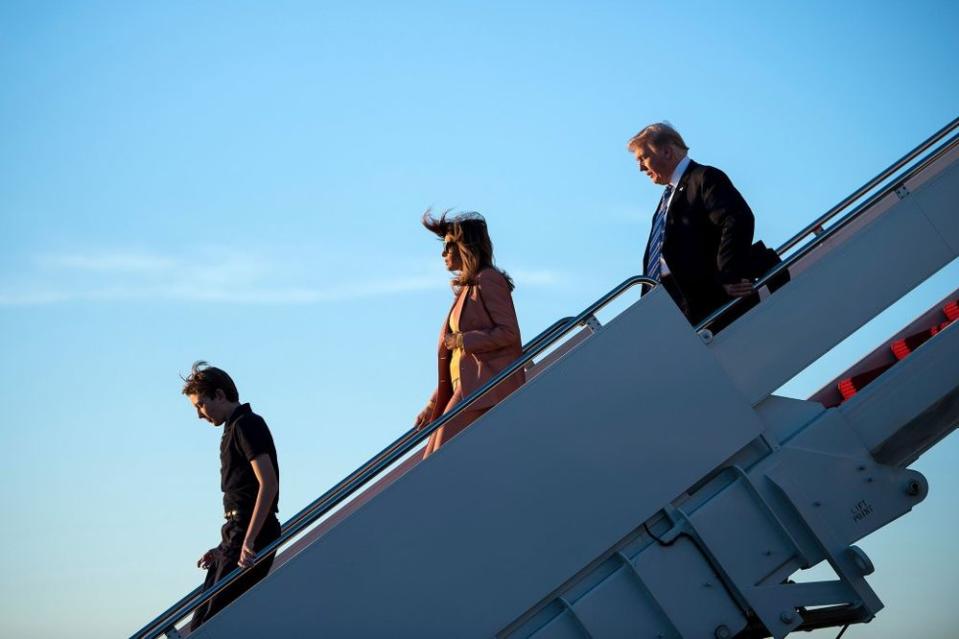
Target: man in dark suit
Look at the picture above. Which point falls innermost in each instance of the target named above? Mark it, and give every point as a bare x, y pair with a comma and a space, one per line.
699, 244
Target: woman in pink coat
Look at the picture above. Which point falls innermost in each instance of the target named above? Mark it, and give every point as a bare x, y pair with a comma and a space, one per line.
480, 334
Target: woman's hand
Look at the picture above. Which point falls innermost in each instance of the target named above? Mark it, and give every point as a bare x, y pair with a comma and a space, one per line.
424, 417
453, 340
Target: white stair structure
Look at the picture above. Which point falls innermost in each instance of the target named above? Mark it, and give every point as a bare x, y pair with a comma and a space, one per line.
645, 482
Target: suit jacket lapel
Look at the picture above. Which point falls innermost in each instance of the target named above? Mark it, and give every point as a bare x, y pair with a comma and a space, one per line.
679, 195
675, 204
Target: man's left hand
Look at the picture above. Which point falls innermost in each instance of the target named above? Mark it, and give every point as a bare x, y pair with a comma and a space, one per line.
742, 288
247, 555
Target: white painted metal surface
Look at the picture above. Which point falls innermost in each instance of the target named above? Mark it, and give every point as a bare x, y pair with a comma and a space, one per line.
539, 487
646, 483
848, 285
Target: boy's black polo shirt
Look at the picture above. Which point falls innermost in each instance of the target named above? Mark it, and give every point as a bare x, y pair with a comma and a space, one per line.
245, 436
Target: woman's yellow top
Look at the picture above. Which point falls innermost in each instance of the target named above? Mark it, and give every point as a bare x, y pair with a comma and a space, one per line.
457, 353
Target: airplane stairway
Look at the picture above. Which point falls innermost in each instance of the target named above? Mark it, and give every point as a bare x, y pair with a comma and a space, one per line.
716, 561
646, 481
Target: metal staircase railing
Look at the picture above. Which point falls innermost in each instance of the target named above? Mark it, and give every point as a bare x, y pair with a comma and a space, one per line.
820, 234
165, 622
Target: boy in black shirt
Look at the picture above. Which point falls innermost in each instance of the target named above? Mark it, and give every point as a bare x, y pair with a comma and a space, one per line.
249, 479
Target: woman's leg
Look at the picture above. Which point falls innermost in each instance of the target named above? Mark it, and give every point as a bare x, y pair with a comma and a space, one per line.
453, 427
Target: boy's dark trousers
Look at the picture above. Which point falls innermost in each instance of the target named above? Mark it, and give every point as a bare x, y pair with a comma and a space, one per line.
225, 558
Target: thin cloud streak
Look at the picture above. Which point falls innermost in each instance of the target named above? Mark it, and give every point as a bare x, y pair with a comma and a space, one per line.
537, 277
110, 262
144, 277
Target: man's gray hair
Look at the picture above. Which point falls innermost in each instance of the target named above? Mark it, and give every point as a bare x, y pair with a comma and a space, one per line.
656, 136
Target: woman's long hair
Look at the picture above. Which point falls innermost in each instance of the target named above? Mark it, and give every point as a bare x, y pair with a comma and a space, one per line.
469, 234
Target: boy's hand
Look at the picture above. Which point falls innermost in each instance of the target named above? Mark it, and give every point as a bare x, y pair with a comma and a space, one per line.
206, 560
247, 554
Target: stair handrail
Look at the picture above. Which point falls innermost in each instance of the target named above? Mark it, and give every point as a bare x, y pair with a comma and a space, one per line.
865, 188
305, 512
406, 442
821, 235
166, 621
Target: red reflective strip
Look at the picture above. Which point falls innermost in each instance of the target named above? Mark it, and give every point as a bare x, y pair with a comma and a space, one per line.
849, 386
900, 349
846, 388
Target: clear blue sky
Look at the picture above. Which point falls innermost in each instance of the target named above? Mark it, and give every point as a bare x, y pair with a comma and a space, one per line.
242, 181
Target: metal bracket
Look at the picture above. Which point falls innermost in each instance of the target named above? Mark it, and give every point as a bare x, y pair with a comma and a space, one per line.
778, 606
744, 479
747, 596
902, 191
172, 633
593, 324
568, 607
850, 563
771, 443
628, 566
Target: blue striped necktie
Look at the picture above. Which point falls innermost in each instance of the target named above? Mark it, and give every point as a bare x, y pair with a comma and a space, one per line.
654, 265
